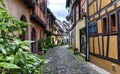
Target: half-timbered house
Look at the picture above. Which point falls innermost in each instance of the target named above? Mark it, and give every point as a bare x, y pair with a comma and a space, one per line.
104, 34
76, 18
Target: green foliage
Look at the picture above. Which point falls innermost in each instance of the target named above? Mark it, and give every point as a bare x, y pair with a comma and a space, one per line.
1, 3
45, 44
48, 42
9, 65
45, 47
40, 44
52, 45
64, 43
71, 48
13, 59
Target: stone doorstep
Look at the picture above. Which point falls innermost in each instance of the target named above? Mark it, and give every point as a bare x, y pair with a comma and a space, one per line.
83, 55
98, 69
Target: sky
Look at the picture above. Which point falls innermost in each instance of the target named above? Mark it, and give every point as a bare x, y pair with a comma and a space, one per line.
58, 8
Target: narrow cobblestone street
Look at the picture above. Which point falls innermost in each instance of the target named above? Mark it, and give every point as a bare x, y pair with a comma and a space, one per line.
62, 61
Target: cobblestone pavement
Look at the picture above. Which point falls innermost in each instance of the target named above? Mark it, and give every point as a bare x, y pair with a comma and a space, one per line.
62, 61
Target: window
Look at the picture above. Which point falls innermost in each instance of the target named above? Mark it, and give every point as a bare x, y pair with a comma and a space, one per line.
71, 15
92, 28
113, 26
23, 35
105, 26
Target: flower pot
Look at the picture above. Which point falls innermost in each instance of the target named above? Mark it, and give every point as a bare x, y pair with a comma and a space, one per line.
45, 51
75, 51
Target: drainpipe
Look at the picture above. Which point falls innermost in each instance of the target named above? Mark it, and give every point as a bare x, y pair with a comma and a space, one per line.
69, 35
87, 36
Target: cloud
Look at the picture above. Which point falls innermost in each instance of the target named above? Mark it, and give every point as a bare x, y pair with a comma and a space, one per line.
58, 8
56, 1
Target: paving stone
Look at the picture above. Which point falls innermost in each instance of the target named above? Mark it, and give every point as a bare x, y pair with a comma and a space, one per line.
62, 61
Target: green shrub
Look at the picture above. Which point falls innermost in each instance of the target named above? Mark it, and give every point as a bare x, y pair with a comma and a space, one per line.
48, 42
52, 46
45, 47
40, 44
13, 59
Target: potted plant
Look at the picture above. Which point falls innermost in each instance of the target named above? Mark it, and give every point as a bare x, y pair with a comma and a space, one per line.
75, 51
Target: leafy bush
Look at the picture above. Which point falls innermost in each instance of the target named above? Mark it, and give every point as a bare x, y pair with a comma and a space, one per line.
48, 42
64, 43
40, 44
45, 47
52, 45
13, 59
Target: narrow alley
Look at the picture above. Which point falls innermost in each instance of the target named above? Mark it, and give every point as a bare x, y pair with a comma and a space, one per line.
59, 36
63, 61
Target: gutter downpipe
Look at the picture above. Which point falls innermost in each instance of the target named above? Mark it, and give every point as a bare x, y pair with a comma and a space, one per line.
87, 36
69, 35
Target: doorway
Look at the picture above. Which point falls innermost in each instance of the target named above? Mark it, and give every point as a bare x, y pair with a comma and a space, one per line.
24, 33
33, 38
83, 41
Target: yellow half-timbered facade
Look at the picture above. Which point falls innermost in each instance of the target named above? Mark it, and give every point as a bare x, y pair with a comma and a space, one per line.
104, 34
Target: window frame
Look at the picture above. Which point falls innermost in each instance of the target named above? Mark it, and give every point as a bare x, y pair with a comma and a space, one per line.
116, 22
93, 28
106, 24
